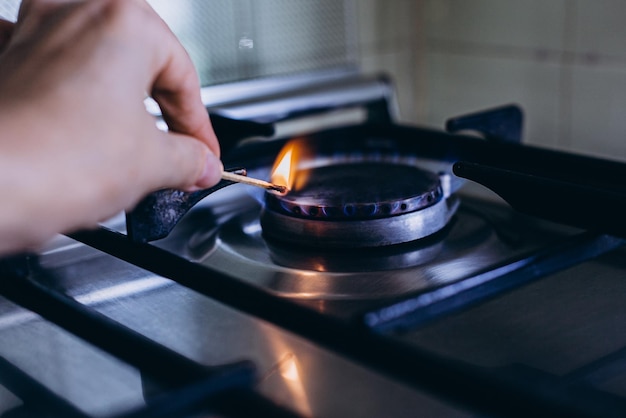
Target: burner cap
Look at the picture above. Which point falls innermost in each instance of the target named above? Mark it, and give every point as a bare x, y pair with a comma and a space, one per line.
361, 204
359, 191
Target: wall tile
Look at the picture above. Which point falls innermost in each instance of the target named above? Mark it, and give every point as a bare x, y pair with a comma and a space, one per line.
600, 27
400, 67
464, 84
598, 112
529, 23
388, 35
386, 24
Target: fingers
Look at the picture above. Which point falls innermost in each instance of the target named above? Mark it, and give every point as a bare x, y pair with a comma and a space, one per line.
181, 105
147, 57
176, 88
6, 30
183, 162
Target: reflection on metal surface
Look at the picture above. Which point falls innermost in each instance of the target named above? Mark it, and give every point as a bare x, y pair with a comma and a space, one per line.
105, 294
16, 318
123, 290
285, 377
362, 259
472, 242
288, 367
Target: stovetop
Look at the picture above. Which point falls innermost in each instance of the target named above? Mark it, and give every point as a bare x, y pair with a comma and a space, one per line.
224, 234
497, 313
558, 329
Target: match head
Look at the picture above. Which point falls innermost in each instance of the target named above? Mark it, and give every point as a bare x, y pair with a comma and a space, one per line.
278, 188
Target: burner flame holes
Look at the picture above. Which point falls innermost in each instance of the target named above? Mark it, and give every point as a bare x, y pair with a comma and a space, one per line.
370, 210
355, 210
330, 212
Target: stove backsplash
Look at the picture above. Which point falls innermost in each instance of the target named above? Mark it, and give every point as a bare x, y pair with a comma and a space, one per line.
562, 61
243, 39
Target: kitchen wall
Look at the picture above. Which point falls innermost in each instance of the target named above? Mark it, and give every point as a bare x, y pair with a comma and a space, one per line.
231, 40
563, 61
390, 41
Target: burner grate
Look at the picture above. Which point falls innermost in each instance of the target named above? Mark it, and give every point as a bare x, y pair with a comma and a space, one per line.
186, 387
476, 388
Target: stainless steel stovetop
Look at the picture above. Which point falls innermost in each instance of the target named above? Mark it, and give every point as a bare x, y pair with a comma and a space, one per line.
498, 313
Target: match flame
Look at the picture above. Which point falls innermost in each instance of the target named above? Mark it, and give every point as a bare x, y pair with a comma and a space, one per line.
284, 167
288, 169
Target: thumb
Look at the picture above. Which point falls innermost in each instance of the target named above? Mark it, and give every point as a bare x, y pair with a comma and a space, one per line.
184, 162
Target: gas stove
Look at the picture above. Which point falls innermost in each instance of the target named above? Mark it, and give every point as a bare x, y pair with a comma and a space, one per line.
381, 284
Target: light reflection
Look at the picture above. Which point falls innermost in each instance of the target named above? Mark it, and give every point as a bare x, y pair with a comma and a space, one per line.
95, 297
288, 368
253, 228
123, 290
245, 42
285, 379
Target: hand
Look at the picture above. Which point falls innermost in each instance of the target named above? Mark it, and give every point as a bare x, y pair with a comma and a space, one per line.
6, 29
76, 143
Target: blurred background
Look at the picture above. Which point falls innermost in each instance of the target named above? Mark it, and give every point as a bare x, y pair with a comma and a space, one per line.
563, 61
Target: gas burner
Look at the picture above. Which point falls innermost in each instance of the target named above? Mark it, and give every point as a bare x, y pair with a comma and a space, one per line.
359, 191
359, 204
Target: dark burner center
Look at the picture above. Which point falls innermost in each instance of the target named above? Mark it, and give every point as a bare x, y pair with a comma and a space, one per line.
367, 190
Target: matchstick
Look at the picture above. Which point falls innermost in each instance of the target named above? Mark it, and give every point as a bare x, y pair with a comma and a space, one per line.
238, 178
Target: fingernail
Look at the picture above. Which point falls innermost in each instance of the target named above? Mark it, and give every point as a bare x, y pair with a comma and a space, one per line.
212, 173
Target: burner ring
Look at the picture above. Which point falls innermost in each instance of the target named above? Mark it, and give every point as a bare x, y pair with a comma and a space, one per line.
359, 233
359, 191
357, 205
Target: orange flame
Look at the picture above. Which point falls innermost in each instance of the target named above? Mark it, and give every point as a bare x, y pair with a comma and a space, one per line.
285, 171
284, 168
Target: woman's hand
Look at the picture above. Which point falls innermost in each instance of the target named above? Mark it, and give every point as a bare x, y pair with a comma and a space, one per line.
76, 143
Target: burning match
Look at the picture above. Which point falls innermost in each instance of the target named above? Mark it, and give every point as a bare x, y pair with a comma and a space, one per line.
238, 178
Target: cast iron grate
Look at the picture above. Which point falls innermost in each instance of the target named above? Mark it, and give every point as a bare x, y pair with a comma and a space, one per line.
187, 387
